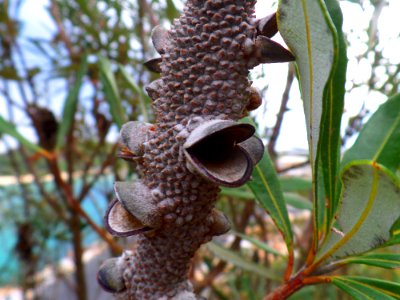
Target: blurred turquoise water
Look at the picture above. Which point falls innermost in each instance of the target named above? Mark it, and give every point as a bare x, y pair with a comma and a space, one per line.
11, 209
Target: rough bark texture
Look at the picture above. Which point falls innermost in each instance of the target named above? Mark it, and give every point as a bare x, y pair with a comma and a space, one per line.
206, 57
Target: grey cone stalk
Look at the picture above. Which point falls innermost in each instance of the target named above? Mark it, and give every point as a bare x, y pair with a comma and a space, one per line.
195, 145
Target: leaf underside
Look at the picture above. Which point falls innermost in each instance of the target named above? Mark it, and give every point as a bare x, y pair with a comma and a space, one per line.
369, 206
309, 32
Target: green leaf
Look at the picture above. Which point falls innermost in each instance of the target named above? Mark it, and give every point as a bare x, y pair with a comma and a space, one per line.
8, 128
330, 141
291, 199
395, 232
238, 261
394, 240
382, 260
71, 104
396, 227
297, 201
9, 73
268, 193
267, 190
171, 10
310, 34
240, 193
246, 285
369, 206
258, 243
295, 184
111, 91
379, 140
354, 1
143, 98
308, 31
361, 288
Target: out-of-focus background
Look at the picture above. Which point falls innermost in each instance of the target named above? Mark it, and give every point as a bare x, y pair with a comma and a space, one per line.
64, 64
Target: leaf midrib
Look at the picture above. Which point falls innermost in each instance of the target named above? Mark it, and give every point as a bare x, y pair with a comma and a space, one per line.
274, 202
360, 221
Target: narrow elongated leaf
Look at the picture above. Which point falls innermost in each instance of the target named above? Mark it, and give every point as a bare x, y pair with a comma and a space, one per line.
111, 91
8, 128
361, 288
240, 193
247, 287
310, 33
238, 261
297, 201
382, 260
266, 188
291, 199
268, 192
295, 184
258, 243
396, 228
143, 99
395, 232
394, 240
71, 104
369, 206
330, 142
171, 10
379, 140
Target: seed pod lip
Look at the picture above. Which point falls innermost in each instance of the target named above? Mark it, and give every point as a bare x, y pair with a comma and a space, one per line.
154, 64
109, 276
119, 222
212, 151
220, 223
133, 135
154, 88
137, 200
254, 147
160, 39
218, 177
241, 131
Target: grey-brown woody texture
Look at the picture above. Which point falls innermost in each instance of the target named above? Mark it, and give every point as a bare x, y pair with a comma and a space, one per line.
194, 146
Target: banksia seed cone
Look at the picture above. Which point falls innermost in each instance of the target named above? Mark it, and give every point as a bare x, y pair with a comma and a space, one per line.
194, 146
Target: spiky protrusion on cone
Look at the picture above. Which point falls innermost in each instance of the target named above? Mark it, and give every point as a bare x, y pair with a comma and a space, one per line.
195, 144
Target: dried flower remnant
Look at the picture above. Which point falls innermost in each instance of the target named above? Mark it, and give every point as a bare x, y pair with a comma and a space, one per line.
194, 146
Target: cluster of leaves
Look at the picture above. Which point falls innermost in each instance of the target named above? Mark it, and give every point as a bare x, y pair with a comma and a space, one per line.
356, 198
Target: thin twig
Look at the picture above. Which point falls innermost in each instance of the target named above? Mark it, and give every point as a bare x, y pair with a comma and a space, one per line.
278, 125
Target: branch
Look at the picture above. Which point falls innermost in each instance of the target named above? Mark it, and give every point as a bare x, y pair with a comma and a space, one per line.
278, 125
